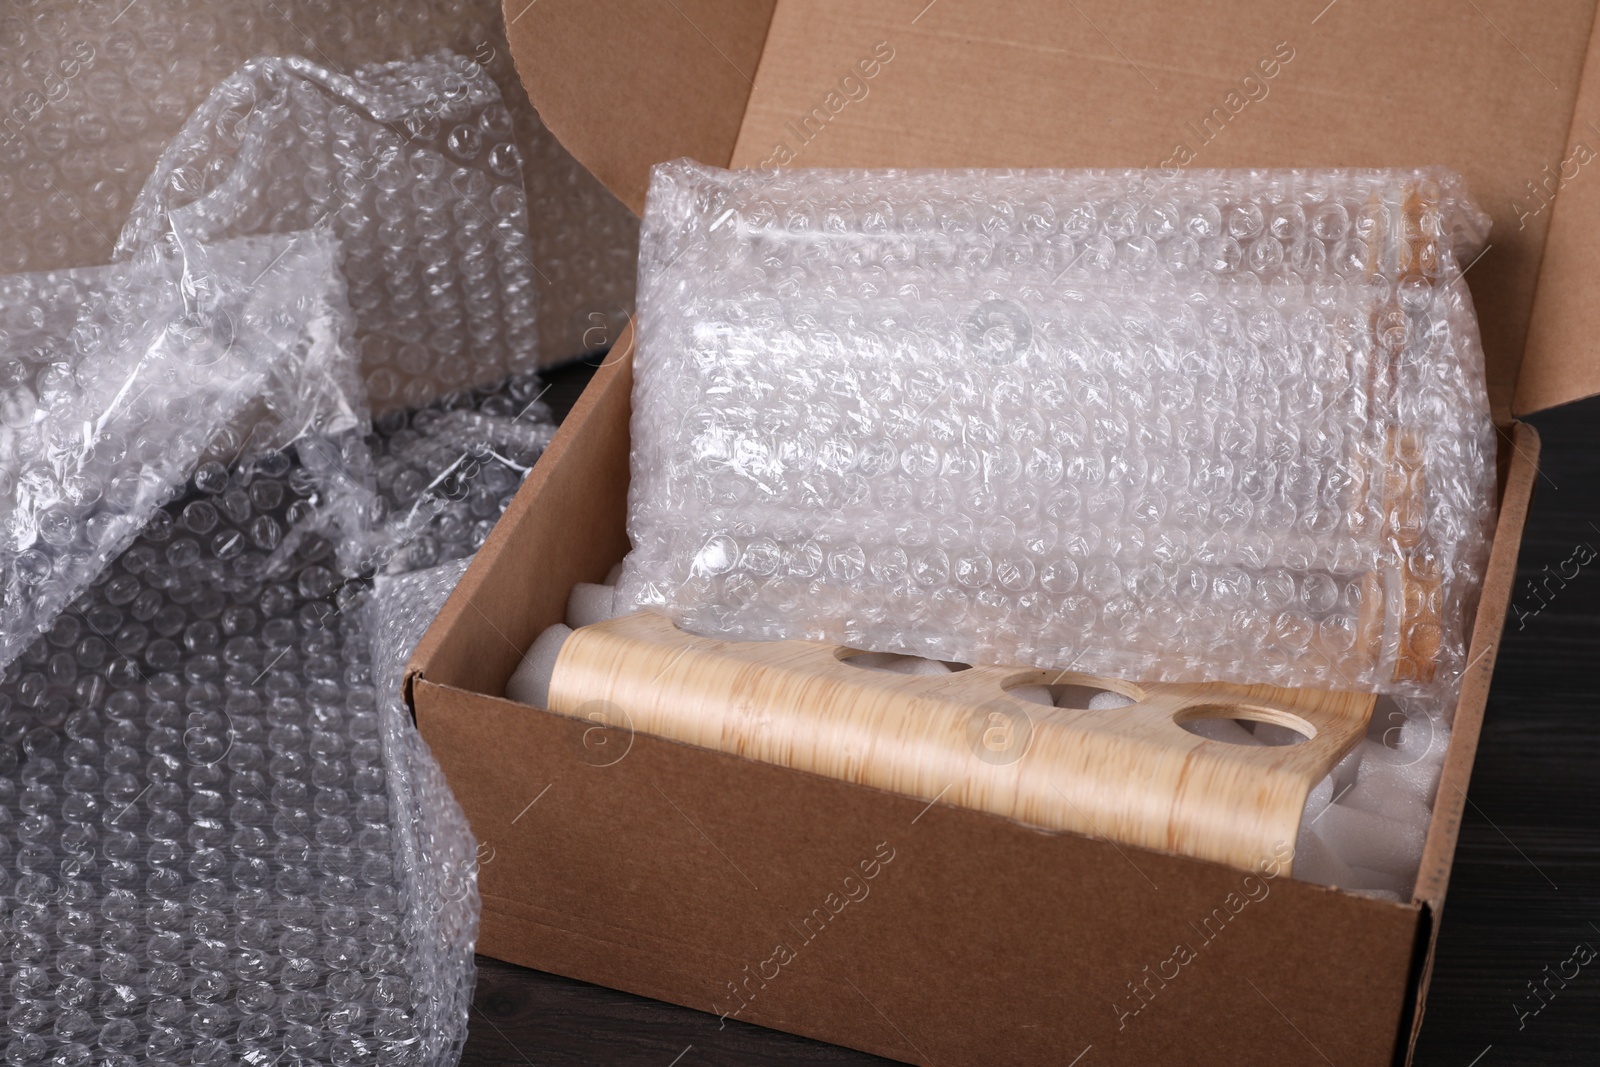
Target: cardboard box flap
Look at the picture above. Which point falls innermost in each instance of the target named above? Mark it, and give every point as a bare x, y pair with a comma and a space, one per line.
1099, 84
628, 83
1561, 362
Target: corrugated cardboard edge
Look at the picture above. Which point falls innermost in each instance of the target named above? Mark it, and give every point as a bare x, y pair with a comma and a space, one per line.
1559, 363
1521, 442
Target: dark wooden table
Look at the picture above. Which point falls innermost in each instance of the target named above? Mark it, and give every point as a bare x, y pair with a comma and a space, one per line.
1525, 892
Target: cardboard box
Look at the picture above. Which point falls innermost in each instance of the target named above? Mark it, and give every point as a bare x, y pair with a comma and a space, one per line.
741, 888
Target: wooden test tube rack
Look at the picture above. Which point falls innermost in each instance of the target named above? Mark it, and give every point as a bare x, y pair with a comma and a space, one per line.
1131, 774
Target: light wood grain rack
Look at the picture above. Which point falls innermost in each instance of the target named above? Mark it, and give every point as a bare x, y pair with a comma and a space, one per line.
1132, 774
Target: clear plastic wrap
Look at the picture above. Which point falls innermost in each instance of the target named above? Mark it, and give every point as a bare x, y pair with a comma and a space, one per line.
1365, 824
1227, 425
118, 379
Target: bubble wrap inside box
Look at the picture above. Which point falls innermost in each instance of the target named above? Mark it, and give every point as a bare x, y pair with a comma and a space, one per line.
1221, 425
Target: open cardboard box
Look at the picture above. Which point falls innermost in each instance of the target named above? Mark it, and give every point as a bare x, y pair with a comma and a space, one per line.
741, 888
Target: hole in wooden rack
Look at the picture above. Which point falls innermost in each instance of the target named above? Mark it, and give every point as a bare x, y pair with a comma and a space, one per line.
1245, 724
1081, 694
895, 663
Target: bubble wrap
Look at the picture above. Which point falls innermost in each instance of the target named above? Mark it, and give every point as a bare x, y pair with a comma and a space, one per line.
411, 165
443, 474
221, 837
93, 92
1227, 425
221, 841
116, 380
431, 837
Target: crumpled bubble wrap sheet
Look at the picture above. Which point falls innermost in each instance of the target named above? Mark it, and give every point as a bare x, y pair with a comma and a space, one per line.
431, 837
411, 165
221, 839
443, 474
224, 843
117, 379
95, 91
1227, 425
